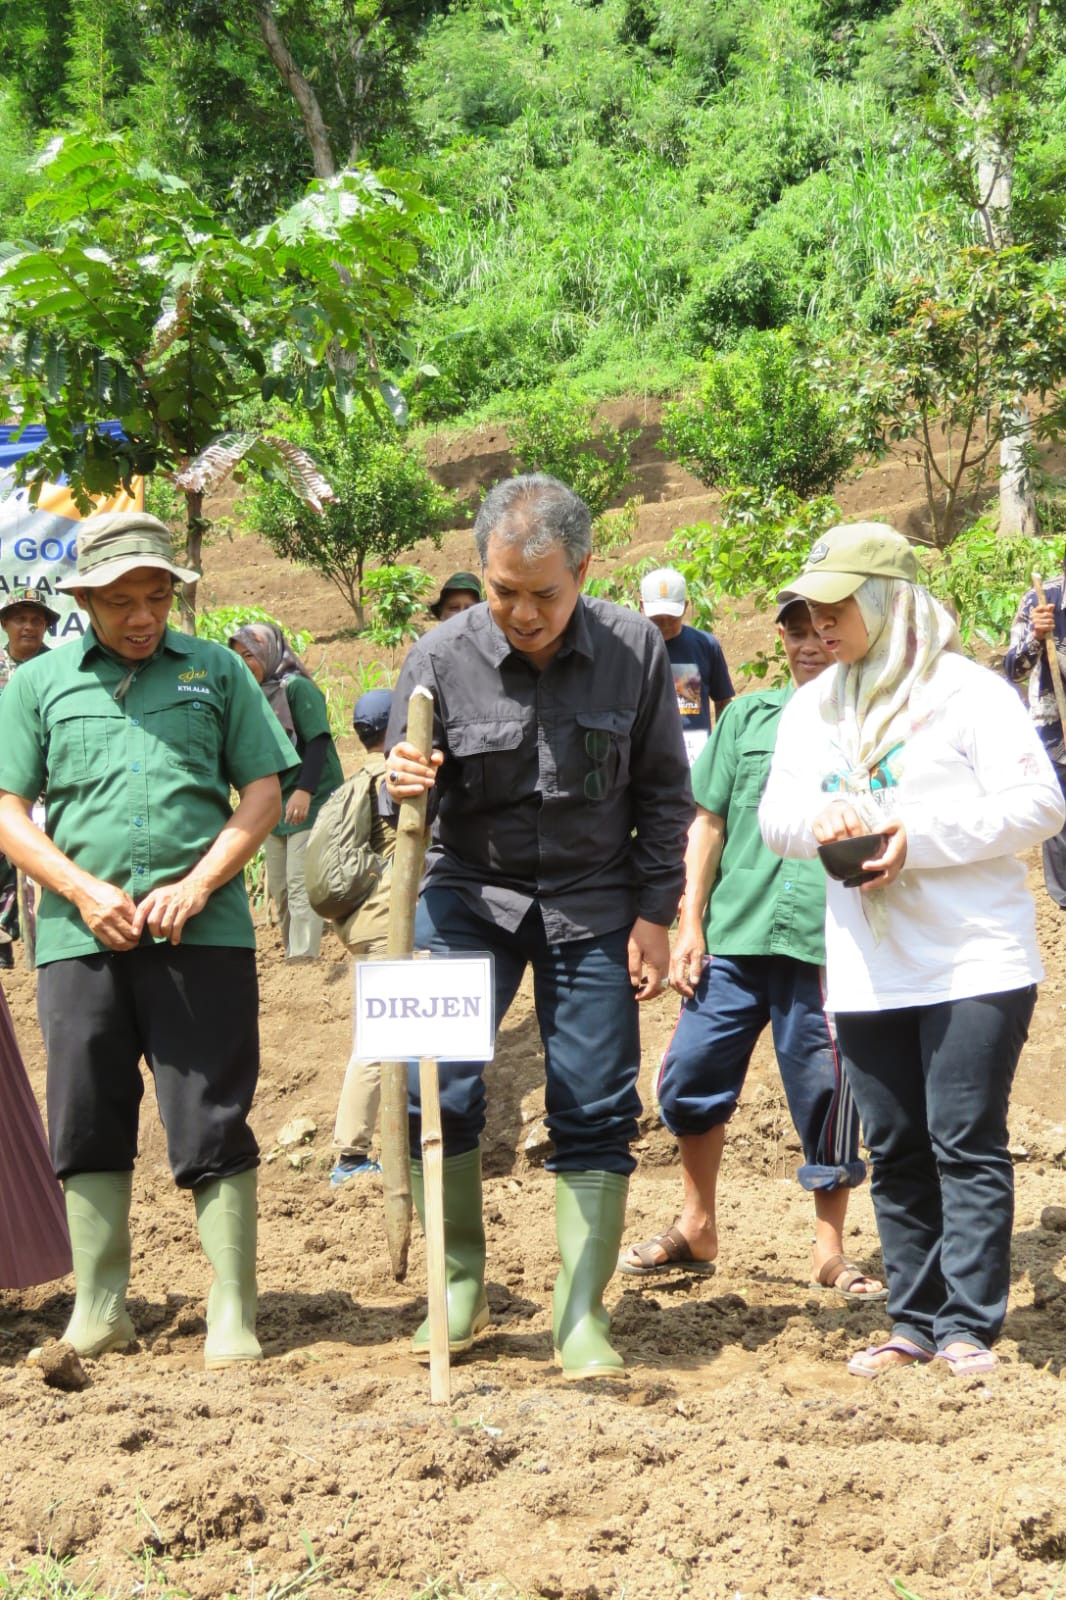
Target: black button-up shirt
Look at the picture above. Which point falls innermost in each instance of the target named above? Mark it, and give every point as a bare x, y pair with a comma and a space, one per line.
566, 788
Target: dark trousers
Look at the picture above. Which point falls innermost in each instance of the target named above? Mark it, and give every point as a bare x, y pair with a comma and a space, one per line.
706, 1061
588, 1026
1054, 852
932, 1084
192, 1012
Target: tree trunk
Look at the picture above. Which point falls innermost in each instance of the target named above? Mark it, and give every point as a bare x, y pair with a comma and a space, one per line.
301, 91
194, 538
1017, 492
995, 201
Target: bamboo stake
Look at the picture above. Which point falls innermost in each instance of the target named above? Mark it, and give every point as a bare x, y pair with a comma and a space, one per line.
406, 875
1051, 650
440, 1387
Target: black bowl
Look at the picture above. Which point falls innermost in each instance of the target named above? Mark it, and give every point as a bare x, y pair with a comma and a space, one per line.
843, 858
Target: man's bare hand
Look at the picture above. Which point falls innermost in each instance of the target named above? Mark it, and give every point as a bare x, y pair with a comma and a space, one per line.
688, 957
409, 772
1043, 620
166, 910
649, 958
108, 913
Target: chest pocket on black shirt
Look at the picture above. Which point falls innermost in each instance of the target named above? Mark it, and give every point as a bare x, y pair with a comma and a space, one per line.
493, 767
604, 742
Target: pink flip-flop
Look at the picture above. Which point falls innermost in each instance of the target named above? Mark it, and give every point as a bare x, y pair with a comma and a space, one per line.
970, 1364
859, 1368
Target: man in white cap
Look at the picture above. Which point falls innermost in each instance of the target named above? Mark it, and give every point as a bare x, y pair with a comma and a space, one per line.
701, 677
144, 938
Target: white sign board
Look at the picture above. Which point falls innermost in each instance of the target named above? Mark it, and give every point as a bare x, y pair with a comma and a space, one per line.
429, 1006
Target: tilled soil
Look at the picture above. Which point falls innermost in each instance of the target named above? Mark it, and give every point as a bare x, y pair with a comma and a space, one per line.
738, 1458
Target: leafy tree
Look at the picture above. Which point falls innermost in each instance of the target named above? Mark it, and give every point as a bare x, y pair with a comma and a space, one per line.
762, 418
963, 346
989, 57
385, 502
557, 433
146, 307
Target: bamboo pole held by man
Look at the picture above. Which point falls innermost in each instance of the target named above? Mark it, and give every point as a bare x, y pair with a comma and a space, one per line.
406, 876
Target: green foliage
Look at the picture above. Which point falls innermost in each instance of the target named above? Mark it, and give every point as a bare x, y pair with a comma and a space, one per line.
963, 344
144, 305
761, 542
396, 595
222, 622
557, 433
760, 418
984, 578
385, 502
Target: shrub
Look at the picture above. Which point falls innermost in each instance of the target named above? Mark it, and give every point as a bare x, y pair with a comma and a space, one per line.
762, 419
386, 502
396, 594
985, 576
222, 623
761, 542
559, 434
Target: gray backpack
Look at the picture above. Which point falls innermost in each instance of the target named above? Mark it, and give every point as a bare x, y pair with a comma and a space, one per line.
341, 868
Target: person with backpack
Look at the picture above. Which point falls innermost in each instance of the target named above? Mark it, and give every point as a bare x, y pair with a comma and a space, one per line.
348, 882
300, 707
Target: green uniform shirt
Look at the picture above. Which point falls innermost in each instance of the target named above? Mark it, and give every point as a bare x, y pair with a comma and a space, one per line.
138, 789
760, 905
310, 717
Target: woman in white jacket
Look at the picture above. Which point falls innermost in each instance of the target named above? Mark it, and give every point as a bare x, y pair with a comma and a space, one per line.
932, 964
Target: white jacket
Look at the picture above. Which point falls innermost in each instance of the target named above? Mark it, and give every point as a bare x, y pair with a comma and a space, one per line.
975, 787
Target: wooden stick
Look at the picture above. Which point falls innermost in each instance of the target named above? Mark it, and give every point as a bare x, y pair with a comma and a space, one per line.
1052, 652
406, 875
440, 1386
27, 928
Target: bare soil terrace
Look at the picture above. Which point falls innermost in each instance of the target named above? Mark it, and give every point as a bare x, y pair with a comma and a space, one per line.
738, 1459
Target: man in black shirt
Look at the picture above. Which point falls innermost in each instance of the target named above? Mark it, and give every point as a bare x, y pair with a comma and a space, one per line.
562, 802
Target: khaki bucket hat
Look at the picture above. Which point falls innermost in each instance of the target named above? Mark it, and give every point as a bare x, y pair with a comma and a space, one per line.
118, 542
845, 556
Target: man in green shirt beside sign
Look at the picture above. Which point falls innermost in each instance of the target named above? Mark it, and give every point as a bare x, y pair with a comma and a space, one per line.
145, 946
763, 921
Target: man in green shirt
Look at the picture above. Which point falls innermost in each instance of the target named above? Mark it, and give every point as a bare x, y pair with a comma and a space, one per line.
144, 939
763, 922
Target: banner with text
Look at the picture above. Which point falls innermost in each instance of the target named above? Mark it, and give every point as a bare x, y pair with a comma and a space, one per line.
38, 543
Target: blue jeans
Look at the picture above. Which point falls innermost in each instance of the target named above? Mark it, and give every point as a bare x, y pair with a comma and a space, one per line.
932, 1084
588, 1026
707, 1059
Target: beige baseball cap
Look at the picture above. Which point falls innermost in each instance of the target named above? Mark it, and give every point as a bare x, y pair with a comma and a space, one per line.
117, 542
845, 556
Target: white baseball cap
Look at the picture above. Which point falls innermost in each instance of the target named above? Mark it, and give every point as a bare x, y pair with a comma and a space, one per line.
663, 593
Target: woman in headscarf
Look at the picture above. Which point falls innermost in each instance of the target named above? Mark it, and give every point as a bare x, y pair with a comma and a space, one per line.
300, 707
932, 963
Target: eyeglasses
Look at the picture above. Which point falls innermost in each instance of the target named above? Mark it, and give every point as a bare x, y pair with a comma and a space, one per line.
597, 748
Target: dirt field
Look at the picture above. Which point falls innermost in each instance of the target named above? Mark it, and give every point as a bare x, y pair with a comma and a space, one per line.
738, 1460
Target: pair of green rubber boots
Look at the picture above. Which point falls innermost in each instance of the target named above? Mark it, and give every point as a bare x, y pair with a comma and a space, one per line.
590, 1210
98, 1216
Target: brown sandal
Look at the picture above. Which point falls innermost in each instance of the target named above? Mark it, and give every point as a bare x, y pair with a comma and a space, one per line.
677, 1250
840, 1276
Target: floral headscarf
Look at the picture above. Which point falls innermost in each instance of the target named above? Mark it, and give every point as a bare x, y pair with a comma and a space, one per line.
279, 662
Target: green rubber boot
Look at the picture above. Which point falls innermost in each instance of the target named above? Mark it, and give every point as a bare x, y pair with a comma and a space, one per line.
590, 1213
464, 1251
98, 1217
226, 1218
